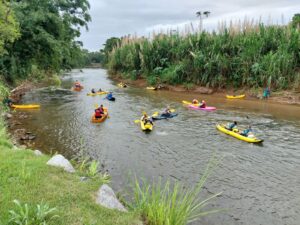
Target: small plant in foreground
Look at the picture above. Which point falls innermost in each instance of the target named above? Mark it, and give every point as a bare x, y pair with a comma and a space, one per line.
93, 168
27, 215
166, 204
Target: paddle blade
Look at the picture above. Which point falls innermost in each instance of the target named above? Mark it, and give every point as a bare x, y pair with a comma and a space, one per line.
172, 110
155, 114
137, 121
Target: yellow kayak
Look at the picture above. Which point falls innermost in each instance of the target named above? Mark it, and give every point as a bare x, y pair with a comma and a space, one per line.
146, 127
151, 88
97, 93
221, 127
122, 85
235, 96
25, 106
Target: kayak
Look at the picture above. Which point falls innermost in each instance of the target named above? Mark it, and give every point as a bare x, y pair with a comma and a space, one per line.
146, 127
162, 116
235, 96
122, 85
97, 93
25, 106
207, 108
151, 88
99, 120
111, 99
221, 127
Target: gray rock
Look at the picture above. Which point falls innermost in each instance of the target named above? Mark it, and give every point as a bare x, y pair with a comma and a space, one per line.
37, 152
106, 197
60, 161
8, 116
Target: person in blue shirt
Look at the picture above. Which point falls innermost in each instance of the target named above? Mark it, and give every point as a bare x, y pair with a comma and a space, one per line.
266, 93
230, 126
246, 131
109, 95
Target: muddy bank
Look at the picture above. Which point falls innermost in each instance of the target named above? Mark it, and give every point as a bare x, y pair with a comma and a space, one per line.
17, 93
285, 97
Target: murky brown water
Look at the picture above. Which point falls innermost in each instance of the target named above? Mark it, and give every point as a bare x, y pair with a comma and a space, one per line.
260, 184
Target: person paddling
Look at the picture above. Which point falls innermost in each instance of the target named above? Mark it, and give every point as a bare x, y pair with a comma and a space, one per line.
167, 112
93, 91
99, 112
145, 119
230, 126
195, 101
77, 84
109, 96
203, 104
247, 131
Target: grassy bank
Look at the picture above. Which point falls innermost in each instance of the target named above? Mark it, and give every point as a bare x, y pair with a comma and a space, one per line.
27, 178
242, 55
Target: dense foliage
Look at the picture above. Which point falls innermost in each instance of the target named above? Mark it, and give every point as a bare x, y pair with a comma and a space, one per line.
241, 55
47, 41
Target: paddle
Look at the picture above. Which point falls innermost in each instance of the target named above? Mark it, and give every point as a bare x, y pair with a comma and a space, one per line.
137, 121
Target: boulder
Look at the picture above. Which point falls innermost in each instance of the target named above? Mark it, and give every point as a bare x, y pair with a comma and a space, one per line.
60, 161
106, 197
37, 152
8, 116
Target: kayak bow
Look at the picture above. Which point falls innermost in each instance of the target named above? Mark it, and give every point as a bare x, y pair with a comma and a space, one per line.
235, 96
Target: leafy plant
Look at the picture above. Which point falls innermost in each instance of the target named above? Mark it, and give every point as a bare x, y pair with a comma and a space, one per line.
24, 214
93, 168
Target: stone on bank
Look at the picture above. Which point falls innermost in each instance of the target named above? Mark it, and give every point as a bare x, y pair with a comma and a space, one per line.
106, 197
60, 161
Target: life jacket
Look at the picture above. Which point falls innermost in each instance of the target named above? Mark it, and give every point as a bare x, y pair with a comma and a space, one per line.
97, 113
203, 105
77, 84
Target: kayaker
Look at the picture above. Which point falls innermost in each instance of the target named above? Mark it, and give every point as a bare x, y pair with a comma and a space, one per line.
230, 126
77, 84
167, 112
195, 101
99, 112
266, 93
7, 101
109, 95
93, 91
246, 131
145, 118
100, 90
203, 104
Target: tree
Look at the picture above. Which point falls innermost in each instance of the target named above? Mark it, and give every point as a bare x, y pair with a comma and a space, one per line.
48, 32
9, 29
199, 14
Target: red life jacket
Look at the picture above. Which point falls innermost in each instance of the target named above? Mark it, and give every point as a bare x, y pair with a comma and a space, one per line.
97, 113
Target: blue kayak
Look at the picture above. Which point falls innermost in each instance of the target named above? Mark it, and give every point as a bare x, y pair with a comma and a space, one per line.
163, 116
111, 99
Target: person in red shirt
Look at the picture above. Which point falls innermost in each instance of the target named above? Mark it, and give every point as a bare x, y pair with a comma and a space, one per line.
99, 112
203, 104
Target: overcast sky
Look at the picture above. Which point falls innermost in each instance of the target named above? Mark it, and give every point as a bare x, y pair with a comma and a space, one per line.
121, 17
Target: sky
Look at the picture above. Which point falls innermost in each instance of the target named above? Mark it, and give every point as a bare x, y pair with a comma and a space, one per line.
117, 18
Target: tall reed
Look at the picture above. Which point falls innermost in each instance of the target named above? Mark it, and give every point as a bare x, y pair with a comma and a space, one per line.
242, 54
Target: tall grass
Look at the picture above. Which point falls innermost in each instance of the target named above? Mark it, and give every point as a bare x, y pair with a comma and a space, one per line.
244, 54
172, 204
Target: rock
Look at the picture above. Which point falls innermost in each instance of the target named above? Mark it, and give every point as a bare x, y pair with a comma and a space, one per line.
60, 161
204, 90
107, 198
27, 137
22, 147
37, 152
8, 116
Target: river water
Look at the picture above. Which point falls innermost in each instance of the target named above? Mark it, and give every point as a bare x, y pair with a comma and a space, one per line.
260, 184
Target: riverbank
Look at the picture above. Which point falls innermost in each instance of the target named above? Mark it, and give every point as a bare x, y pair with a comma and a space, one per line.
27, 178
284, 97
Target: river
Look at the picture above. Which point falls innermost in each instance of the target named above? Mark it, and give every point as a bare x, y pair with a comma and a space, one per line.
260, 184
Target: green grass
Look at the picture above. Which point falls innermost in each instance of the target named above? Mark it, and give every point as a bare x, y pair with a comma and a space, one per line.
27, 178
172, 203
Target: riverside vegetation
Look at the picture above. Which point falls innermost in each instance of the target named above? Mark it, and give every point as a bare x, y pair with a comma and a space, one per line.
244, 54
37, 42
